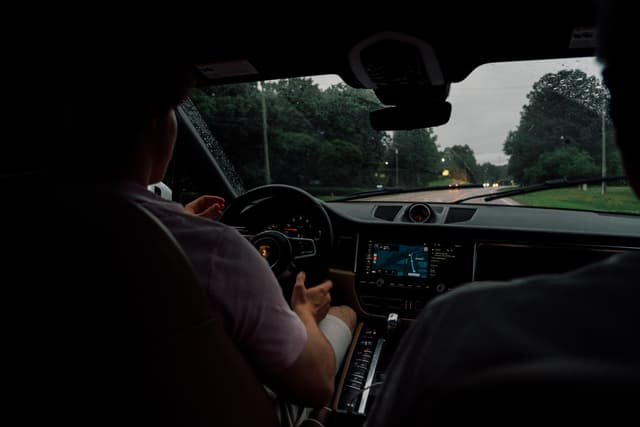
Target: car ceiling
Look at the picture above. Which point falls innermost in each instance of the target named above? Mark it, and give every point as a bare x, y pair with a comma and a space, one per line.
281, 43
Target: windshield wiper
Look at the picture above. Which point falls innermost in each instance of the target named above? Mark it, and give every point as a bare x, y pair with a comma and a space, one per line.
554, 183
384, 191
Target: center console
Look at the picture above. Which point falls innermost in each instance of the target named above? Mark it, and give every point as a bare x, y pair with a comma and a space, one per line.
366, 371
396, 275
402, 275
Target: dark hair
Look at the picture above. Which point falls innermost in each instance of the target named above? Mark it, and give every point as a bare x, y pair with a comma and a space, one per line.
124, 71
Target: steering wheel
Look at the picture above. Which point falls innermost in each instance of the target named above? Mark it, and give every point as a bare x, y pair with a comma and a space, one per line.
286, 255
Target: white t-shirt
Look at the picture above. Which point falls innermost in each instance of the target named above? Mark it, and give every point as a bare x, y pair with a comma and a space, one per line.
238, 280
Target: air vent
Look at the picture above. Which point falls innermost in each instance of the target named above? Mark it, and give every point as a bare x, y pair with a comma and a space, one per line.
459, 215
388, 213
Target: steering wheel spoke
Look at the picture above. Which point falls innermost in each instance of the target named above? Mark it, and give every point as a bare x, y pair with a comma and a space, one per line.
302, 248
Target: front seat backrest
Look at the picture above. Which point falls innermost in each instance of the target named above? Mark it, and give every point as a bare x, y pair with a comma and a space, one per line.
113, 327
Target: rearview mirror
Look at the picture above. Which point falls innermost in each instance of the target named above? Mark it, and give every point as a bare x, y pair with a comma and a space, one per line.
411, 117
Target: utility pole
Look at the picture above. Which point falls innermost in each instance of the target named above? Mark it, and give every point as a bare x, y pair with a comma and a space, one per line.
397, 170
267, 167
604, 154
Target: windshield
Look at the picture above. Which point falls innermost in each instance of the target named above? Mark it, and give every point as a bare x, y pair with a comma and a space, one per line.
512, 124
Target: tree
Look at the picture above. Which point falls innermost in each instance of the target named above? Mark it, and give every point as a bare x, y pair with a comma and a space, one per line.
568, 162
564, 109
460, 160
418, 157
233, 114
488, 172
335, 158
311, 132
294, 158
345, 116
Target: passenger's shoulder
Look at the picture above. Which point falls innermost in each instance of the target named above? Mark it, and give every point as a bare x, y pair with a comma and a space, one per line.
617, 271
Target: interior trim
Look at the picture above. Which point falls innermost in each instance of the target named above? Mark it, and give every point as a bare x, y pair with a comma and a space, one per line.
345, 365
372, 372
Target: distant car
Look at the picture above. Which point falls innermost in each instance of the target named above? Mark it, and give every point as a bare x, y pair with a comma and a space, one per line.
379, 187
485, 184
495, 185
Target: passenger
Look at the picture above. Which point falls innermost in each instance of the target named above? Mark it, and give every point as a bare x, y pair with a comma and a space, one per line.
128, 83
590, 314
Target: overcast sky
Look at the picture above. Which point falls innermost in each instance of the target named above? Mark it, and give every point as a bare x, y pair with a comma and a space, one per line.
487, 105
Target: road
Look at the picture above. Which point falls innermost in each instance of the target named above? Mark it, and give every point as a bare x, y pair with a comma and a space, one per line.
444, 196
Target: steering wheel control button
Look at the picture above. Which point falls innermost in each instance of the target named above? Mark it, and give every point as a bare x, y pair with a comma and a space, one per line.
302, 248
440, 288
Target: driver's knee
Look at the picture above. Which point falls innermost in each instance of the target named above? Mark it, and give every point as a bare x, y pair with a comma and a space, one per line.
346, 314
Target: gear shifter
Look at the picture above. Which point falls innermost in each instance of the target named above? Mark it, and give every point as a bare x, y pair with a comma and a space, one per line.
392, 330
367, 371
392, 324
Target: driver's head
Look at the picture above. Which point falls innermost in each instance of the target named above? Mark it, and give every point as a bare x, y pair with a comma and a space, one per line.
127, 78
617, 47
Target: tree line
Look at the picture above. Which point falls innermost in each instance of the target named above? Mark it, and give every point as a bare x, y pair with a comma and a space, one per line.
561, 130
323, 138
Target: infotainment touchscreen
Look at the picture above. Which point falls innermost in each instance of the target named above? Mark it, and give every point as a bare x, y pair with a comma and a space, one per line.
398, 260
414, 264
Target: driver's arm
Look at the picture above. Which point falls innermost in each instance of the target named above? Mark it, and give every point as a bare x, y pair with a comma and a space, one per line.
310, 380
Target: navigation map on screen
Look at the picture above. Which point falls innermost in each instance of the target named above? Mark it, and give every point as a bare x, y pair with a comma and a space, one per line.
400, 260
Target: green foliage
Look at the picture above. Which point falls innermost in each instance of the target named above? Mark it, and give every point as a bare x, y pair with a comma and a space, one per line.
337, 160
616, 199
488, 172
567, 162
315, 137
460, 161
233, 113
564, 110
418, 158
301, 152
323, 138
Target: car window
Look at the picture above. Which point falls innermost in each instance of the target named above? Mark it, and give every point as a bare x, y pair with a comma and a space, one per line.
513, 124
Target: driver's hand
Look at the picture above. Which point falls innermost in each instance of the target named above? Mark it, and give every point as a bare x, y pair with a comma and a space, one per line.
315, 300
206, 206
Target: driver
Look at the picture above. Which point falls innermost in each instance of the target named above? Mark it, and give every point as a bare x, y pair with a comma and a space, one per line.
296, 350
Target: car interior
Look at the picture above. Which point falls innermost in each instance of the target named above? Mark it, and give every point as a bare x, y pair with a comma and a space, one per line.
103, 340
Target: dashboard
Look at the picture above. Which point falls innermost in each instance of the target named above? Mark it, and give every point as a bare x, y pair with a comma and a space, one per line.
391, 260
397, 265
395, 257
303, 226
